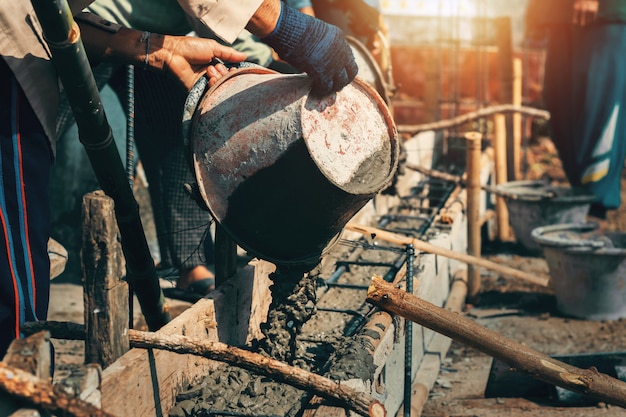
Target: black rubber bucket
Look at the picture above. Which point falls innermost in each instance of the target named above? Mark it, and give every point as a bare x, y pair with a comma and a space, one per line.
587, 269
533, 204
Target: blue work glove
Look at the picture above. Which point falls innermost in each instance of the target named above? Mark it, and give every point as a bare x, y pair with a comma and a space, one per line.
315, 47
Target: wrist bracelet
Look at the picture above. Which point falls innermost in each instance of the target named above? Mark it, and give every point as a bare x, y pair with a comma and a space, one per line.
145, 37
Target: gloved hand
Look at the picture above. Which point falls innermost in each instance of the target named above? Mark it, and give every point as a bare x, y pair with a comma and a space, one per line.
315, 47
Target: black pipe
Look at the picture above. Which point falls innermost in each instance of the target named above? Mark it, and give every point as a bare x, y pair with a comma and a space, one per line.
68, 54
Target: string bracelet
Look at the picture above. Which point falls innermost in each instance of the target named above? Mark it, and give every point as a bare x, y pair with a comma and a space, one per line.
145, 37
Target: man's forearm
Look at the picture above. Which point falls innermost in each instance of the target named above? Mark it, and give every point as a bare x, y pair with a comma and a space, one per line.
124, 46
265, 18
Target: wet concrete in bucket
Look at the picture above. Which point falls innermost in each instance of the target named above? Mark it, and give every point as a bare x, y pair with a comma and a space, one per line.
307, 328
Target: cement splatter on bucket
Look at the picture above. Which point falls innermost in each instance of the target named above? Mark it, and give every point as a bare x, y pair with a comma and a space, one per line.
587, 269
533, 204
283, 170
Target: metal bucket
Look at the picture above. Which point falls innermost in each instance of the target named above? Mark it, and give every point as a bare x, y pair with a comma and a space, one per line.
369, 70
533, 204
587, 269
283, 170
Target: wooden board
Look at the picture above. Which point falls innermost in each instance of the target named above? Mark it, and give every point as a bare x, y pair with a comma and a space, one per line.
150, 379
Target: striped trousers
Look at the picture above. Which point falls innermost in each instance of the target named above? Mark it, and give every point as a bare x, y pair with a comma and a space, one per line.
25, 162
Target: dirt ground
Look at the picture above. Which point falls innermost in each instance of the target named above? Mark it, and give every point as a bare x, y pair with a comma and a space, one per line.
524, 312
527, 314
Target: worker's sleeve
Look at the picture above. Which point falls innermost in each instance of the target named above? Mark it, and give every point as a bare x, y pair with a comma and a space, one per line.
78, 5
299, 4
227, 18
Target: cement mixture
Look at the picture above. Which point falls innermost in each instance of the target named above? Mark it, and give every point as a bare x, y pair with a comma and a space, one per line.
521, 311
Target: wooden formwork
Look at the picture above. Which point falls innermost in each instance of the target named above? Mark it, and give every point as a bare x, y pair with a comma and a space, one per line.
144, 382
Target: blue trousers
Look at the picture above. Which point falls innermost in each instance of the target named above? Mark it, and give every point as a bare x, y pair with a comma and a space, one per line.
25, 162
585, 93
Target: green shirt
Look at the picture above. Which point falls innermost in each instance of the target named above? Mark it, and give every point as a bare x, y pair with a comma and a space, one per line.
159, 16
614, 10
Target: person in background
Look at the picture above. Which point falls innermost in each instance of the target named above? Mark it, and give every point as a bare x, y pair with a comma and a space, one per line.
185, 243
30, 93
585, 91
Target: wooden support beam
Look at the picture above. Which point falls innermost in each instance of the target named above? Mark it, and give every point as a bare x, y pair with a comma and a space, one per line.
473, 141
374, 233
516, 138
105, 293
506, 77
478, 114
588, 382
260, 364
500, 162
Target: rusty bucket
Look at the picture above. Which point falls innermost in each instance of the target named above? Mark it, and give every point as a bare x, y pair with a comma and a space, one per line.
283, 170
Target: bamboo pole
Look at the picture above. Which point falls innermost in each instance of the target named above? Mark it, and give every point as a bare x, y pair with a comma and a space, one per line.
500, 163
478, 114
521, 358
438, 250
360, 402
62, 35
472, 169
516, 139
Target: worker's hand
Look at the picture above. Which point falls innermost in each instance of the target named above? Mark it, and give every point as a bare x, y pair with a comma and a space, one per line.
315, 47
584, 11
189, 58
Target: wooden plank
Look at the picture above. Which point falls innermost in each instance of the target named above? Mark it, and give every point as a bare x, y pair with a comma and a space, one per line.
33, 355
105, 293
58, 258
150, 379
84, 383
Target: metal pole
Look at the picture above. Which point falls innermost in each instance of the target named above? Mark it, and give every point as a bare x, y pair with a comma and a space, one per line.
68, 54
408, 341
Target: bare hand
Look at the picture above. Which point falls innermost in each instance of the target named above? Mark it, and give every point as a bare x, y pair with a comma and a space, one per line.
188, 58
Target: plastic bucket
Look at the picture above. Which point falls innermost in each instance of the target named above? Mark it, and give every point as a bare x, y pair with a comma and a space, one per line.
587, 269
283, 170
533, 204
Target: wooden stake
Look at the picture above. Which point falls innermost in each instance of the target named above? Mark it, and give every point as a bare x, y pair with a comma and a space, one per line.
472, 150
427, 247
521, 358
516, 140
104, 292
43, 394
500, 162
297, 377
